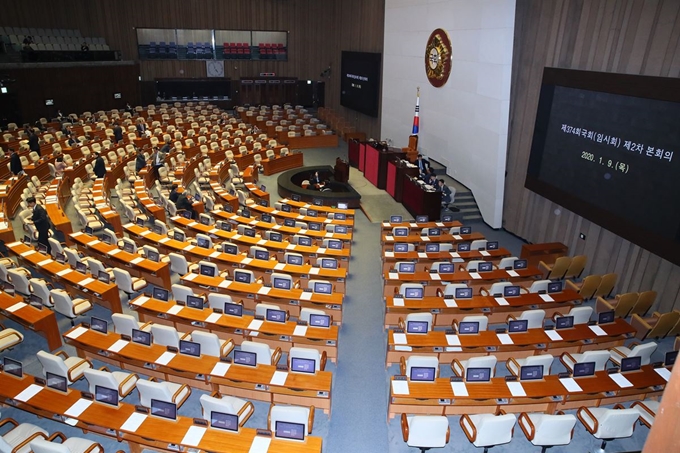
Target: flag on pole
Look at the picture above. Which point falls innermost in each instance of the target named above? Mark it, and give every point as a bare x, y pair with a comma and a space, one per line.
416, 118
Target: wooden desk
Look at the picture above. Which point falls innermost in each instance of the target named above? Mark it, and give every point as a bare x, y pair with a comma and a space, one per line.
349, 213
100, 191
200, 372
419, 242
386, 227
433, 281
447, 346
547, 395
224, 195
419, 201
84, 285
56, 196
44, 321
446, 310
424, 260
153, 272
547, 252
302, 218
150, 206
282, 335
279, 164
154, 433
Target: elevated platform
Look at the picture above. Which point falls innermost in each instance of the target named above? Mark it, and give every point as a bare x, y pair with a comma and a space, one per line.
290, 183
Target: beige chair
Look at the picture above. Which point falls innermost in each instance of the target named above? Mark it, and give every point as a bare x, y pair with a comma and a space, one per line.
586, 288
169, 392
487, 430
576, 267
9, 338
117, 380
70, 445
18, 439
547, 430
659, 325
216, 402
608, 424
425, 431
606, 286
557, 270
72, 368
644, 303
622, 304
647, 410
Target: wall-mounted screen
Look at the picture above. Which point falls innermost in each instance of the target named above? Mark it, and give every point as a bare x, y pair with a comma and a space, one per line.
360, 81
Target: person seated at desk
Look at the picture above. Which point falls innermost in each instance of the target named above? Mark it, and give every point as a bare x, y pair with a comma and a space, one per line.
316, 182
141, 127
15, 165
430, 178
60, 166
73, 141
66, 130
446, 192
423, 166
140, 161
185, 203
174, 194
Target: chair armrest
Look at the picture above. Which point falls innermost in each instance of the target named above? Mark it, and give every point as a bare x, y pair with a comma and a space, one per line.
643, 406
324, 358
79, 363
564, 357
556, 315
104, 368
10, 333
243, 420
602, 304
404, 427
402, 365
185, 335
310, 420
511, 318
571, 285
226, 348
618, 406
641, 326
484, 291
542, 266
9, 420
529, 430
27, 441
401, 323
124, 381
588, 419
514, 362
466, 424
276, 356
439, 292
152, 379
61, 353
178, 392
457, 368
57, 435
94, 447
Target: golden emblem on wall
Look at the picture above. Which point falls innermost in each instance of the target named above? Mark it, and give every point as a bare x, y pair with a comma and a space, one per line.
438, 58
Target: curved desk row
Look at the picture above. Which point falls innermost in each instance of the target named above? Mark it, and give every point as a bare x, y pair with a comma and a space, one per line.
386, 227
237, 328
548, 395
419, 242
296, 205
83, 285
349, 222
424, 260
279, 164
139, 431
447, 346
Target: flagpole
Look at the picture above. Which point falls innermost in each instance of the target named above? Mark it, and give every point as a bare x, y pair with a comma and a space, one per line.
416, 116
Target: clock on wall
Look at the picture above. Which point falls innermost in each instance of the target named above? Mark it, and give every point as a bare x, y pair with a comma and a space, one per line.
214, 68
438, 58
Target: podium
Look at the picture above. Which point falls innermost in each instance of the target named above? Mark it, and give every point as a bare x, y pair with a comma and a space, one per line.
375, 168
418, 201
397, 171
341, 170
353, 152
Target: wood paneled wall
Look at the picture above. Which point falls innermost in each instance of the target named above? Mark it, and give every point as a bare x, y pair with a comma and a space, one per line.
620, 36
318, 31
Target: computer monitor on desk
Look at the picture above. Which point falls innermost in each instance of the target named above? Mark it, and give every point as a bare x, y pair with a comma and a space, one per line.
316, 320
464, 247
518, 325
415, 292
286, 207
554, 287
222, 420
152, 256
485, 267
396, 219
446, 268
163, 409
564, 322
434, 232
400, 248
289, 223
12, 367
584, 369
60, 258
281, 283
242, 277
340, 229
301, 365
81, 267
105, 395
511, 291
468, 327
295, 260
670, 358
631, 363
305, 241
531, 373
42, 248
190, 348
416, 327
329, 263
521, 264
160, 294
195, 302
323, 288
104, 277
107, 239
463, 293
606, 317
129, 248
478, 375
422, 374
141, 337
56, 382
230, 249
276, 315
178, 236
406, 268
262, 255
275, 237
290, 431
245, 358
465, 230
492, 245
99, 325
203, 242
422, 218
432, 248
233, 309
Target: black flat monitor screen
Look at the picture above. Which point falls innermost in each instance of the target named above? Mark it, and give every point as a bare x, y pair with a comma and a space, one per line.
281, 283
554, 287
400, 248
129, 248
446, 268
230, 249
249, 232
618, 134
222, 420
485, 267
343, 206
141, 337
396, 219
276, 315
103, 277
160, 294
178, 236
152, 256
312, 213
531, 372
275, 237
447, 218
60, 258
317, 202
13, 367
400, 232
294, 259
288, 430
186, 214
266, 218
233, 309
245, 358
305, 241
99, 325
56, 382
606, 317
190, 348
520, 264
107, 239
81, 267
245, 213
464, 247
323, 288
431, 248
225, 226
434, 232
518, 325
263, 203
27, 238
319, 320
564, 322
413, 292
203, 242
329, 263
422, 219
163, 409
340, 216
195, 302
242, 277
417, 326
584, 369
631, 363
261, 255
300, 365
466, 230
106, 395
492, 245
468, 327
36, 301
340, 229
42, 248
511, 291
463, 293
88, 230
406, 268
157, 229
422, 374
286, 207
263, 188
314, 226
205, 220
478, 375
360, 81
669, 359
289, 223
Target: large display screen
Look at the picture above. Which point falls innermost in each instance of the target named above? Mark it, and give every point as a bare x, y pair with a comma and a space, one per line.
605, 147
360, 82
